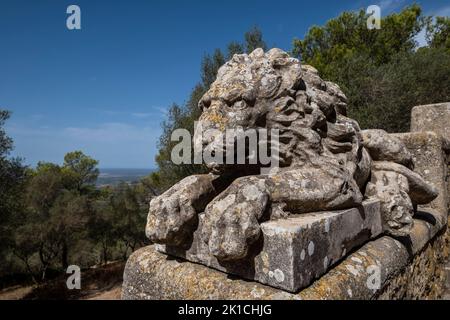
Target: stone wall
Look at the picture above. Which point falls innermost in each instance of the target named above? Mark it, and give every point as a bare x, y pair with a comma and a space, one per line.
425, 276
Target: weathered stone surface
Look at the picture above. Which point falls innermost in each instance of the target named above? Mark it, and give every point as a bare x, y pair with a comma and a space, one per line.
153, 275
295, 250
230, 223
399, 189
432, 117
385, 147
427, 223
424, 277
420, 191
323, 164
172, 218
396, 207
430, 162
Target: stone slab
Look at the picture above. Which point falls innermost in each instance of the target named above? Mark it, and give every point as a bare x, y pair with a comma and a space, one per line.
297, 250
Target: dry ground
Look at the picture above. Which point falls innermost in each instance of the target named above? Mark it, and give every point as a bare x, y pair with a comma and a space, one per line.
101, 283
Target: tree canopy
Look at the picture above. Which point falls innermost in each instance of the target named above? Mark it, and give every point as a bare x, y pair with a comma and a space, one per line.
12, 179
64, 218
382, 71
438, 32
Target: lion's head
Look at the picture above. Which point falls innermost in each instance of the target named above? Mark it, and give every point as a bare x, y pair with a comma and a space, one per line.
274, 91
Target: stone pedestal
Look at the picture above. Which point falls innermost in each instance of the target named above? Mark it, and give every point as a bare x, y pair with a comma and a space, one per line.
296, 250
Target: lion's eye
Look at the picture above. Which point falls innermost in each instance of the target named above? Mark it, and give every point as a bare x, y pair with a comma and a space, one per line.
239, 105
204, 102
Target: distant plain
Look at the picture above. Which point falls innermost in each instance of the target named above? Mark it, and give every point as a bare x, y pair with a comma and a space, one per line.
114, 176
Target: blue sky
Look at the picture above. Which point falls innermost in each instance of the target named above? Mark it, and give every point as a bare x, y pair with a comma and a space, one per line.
105, 89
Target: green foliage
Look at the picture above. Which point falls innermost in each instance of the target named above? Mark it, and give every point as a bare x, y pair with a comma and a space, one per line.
384, 97
234, 48
44, 187
438, 33
380, 70
58, 209
254, 40
347, 36
130, 205
12, 179
5, 141
80, 172
66, 220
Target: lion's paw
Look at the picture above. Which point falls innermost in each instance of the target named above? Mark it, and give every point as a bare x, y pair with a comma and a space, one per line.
232, 219
172, 215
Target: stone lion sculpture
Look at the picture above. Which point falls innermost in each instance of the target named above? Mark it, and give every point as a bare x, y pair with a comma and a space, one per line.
326, 161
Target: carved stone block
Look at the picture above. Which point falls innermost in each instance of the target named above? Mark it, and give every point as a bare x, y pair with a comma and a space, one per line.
296, 250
